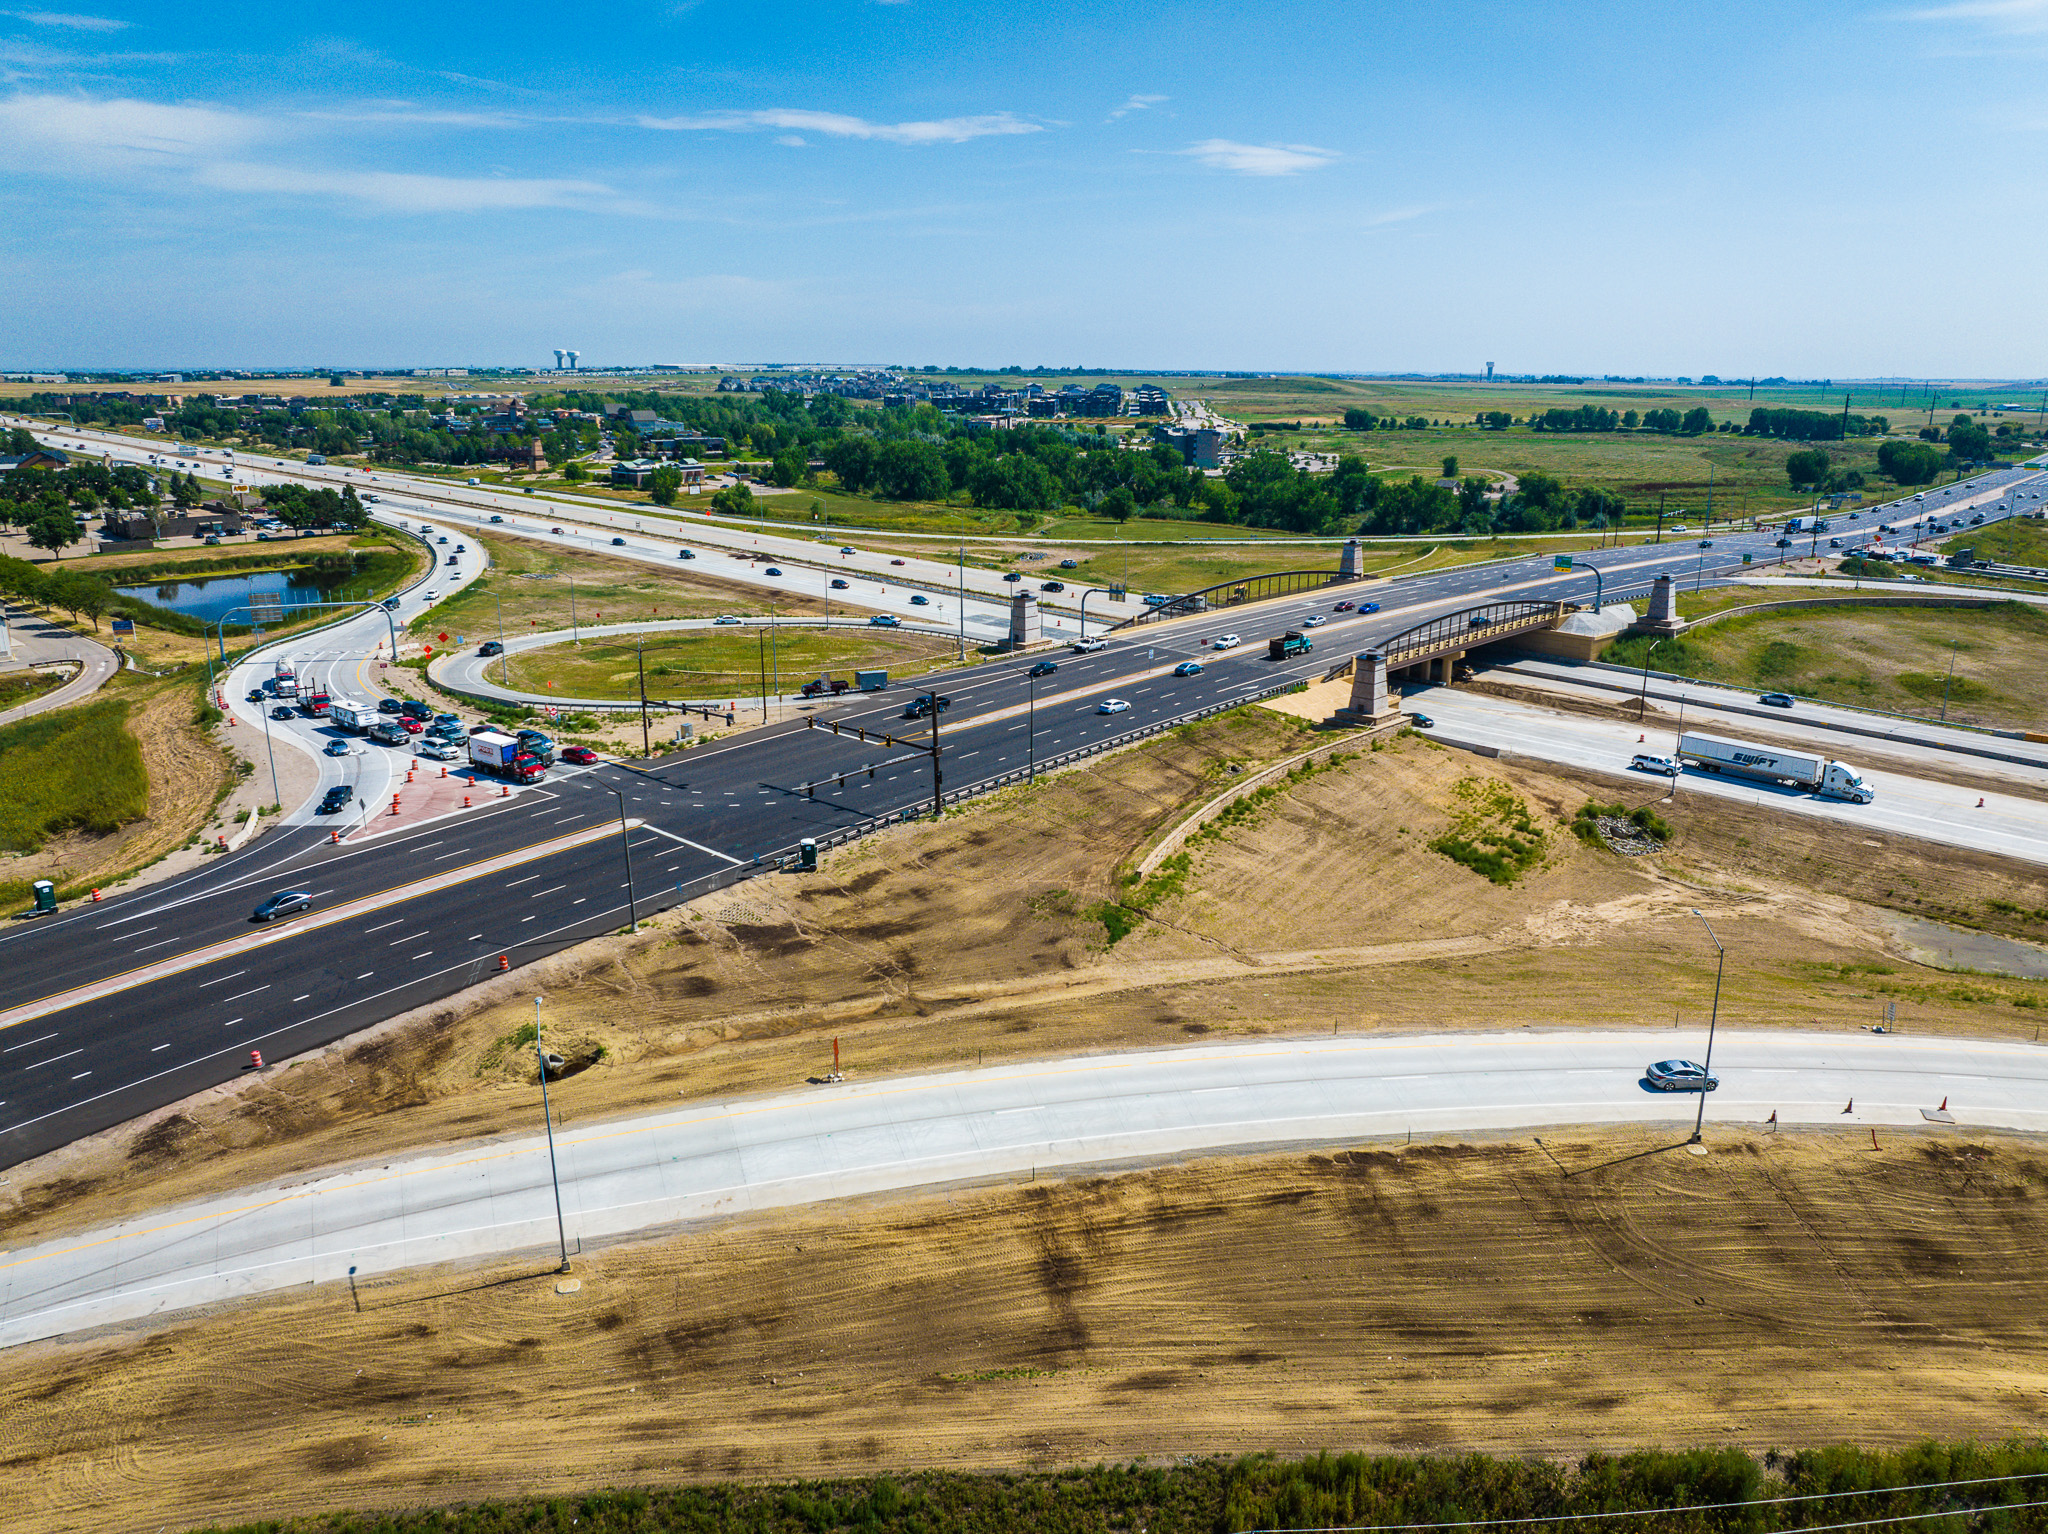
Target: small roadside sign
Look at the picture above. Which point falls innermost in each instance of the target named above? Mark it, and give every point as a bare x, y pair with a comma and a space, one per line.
123, 626
1560, 561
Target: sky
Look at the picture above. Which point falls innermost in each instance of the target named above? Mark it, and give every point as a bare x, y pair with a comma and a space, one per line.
1736, 187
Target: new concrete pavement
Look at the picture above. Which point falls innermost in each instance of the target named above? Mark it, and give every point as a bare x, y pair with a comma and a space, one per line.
829, 1142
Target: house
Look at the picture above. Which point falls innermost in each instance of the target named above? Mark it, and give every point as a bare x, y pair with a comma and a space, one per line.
41, 458
633, 471
1152, 400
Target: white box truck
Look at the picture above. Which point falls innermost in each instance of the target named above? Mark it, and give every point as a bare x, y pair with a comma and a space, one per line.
1769, 764
504, 757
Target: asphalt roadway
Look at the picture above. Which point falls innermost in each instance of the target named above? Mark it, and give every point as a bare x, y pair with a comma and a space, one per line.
629, 1176
109, 1010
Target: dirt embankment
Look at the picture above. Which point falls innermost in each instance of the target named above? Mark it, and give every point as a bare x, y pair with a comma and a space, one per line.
1783, 1291
987, 936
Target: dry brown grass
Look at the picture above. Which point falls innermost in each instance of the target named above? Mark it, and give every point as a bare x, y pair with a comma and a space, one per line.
1785, 1290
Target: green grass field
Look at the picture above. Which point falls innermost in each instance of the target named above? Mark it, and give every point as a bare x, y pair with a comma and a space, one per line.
74, 769
728, 662
1875, 657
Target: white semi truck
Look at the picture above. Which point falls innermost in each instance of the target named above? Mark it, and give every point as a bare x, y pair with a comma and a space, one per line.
284, 681
1770, 764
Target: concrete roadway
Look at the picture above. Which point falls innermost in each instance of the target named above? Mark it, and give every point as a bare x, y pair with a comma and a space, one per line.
2005, 825
638, 1175
709, 811
34, 641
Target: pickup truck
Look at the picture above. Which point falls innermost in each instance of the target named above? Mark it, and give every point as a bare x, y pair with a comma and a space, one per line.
1089, 646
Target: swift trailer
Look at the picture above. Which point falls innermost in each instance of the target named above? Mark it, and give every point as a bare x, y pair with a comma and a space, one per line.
1767, 764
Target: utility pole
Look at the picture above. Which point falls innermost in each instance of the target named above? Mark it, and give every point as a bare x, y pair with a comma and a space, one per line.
961, 599
1031, 731
1947, 681
1660, 516
640, 655
504, 660
574, 636
762, 636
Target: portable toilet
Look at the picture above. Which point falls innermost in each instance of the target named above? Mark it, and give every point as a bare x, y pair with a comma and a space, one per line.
46, 897
807, 855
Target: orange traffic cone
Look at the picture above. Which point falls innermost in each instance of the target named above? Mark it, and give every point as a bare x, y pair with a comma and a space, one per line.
444, 769
504, 790
465, 801
95, 897
504, 962
1641, 738
334, 837
1980, 802
1852, 1106
1944, 1106
256, 1059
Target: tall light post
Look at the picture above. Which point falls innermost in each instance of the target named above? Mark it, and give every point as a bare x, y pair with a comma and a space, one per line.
626, 846
1643, 698
504, 660
554, 1172
1031, 730
1714, 1018
1946, 683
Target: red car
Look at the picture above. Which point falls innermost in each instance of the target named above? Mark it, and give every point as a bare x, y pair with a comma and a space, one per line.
1343, 607
412, 726
582, 756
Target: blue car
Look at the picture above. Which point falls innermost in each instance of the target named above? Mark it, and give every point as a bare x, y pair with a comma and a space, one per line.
1188, 668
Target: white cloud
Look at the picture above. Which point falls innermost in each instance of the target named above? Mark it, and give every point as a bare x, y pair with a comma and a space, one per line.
949, 130
76, 131
2022, 16
410, 116
1137, 104
213, 147
405, 193
1259, 159
65, 19
791, 140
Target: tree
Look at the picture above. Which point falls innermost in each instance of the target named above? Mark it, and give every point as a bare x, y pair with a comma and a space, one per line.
353, 513
1450, 466
21, 442
733, 501
186, 491
1908, 463
664, 483
80, 595
1119, 504
1697, 420
852, 460
51, 528
1807, 468
912, 471
1360, 420
789, 467
1968, 442
575, 473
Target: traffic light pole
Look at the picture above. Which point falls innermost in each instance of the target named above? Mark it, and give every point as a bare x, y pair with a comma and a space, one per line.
938, 776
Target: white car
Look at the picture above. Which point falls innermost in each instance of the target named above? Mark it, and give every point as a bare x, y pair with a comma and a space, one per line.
430, 596
1112, 706
1646, 762
1226, 642
1314, 621
440, 751
724, 621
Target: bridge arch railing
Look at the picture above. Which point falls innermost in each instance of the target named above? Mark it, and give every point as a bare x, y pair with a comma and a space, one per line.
1486, 623
1237, 593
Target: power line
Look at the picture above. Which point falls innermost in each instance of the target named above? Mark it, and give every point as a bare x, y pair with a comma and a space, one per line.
1712, 1507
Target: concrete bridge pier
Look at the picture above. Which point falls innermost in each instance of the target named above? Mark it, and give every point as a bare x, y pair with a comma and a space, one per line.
1372, 699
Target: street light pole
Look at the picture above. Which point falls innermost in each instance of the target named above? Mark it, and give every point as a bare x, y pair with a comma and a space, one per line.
1031, 730
548, 1118
640, 655
626, 846
1947, 681
1643, 698
1713, 1018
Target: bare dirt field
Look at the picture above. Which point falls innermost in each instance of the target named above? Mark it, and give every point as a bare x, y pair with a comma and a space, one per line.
1590, 1291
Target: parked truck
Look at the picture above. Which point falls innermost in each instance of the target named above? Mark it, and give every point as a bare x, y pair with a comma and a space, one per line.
1770, 764
536, 745
317, 703
503, 757
1285, 646
347, 714
284, 681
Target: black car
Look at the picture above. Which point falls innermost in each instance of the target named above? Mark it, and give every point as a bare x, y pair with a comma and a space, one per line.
335, 798
1052, 586
1043, 668
412, 708
256, 695
1013, 576
281, 712
283, 903
618, 543
490, 647
918, 707
1784, 543
839, 585
387, 705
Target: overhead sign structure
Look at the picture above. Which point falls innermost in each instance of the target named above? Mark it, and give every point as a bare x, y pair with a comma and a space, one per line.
266, 607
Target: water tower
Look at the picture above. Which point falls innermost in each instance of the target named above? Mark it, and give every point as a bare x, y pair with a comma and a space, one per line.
560, 359
572, 361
